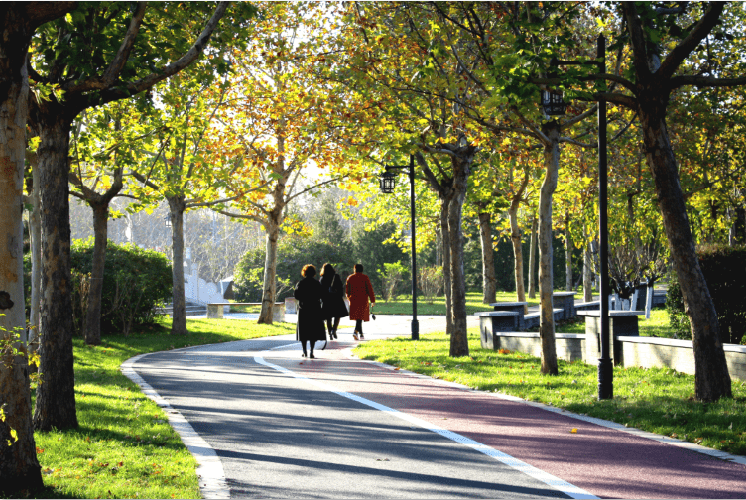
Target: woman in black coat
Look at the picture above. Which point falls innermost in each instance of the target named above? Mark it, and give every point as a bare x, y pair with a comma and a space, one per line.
333, 306
308, 293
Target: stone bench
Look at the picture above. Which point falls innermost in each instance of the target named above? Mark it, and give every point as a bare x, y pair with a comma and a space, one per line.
492, 323
587, 306
517, 307
566, 302
621, 324
534, 319
216, 310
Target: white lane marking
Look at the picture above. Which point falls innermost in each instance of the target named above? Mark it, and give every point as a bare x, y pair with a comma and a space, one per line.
209, 471
560, 484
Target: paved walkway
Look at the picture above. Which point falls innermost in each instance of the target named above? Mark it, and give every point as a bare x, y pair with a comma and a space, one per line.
338, 427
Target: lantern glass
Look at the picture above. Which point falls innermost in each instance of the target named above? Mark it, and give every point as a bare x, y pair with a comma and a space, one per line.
168, 220
553, 103
387, 182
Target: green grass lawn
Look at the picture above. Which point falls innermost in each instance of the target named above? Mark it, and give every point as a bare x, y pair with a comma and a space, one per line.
656, 400
124, 447
402, 305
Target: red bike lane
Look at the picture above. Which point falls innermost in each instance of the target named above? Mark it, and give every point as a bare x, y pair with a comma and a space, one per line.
605, 462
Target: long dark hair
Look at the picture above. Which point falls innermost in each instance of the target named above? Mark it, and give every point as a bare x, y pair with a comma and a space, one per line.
327, 269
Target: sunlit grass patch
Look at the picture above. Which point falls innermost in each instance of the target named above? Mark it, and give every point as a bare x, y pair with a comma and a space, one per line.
657, 400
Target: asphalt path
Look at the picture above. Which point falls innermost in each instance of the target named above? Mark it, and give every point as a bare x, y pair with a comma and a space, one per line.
337, 427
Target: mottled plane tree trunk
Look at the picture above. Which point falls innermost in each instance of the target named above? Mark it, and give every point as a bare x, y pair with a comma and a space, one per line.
655, 80
516, 237
551, 131
532, 258
19, 465
99, 203
489, 283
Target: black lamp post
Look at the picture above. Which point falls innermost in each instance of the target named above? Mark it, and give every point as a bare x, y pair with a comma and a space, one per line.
552, 100
387, 181
605, 366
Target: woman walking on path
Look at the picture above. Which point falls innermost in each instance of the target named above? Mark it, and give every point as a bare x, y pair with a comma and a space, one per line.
333, 305
308, 293
359, 289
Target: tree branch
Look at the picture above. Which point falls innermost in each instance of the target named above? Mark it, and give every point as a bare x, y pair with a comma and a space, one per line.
112, 94
112, 72
706, 81
637, 40
582, 116
686, 46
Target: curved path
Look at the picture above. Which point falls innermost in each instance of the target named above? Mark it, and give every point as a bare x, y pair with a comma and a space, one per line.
338, 427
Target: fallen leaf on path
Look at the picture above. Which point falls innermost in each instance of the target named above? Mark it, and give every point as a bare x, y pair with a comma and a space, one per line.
573, 431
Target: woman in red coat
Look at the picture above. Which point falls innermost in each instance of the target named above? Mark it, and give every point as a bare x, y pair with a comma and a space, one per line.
359, 289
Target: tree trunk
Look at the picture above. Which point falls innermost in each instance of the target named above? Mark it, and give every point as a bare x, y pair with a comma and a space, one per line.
35, 224
461, 163
92, 326
546, 273
489, 288
55, 397
516, 239
177, 207
568, 255
587, 269
446, 250
635, 233
19, 465
532, 259
269, 290
711, 379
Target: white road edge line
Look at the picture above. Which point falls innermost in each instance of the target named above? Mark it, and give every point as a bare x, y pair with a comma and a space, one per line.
210, 474
738, 459
560, 484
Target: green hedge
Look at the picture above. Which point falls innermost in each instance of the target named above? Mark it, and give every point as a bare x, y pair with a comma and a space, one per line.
724, 269
135, 282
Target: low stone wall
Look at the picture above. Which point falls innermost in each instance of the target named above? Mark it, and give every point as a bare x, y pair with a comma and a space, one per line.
570, 346
677, 354
647, 352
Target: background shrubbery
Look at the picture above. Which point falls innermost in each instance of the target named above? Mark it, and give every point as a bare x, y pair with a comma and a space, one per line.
724, 268
135, 282
295, 251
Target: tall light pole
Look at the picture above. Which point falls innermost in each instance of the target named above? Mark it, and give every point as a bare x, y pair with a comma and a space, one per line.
549, 101
605, 367
387, 182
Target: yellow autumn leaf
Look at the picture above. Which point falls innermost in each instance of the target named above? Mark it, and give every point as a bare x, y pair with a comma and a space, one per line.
573, 431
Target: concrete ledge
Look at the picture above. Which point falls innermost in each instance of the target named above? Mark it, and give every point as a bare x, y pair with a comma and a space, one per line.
597, 313
587, 306
497, 313
508, 304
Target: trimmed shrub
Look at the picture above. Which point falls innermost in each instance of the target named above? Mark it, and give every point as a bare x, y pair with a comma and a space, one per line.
725, 273
136, 281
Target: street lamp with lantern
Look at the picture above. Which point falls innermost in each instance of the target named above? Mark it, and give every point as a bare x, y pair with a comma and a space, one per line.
387, 182
169, 222
550, 101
